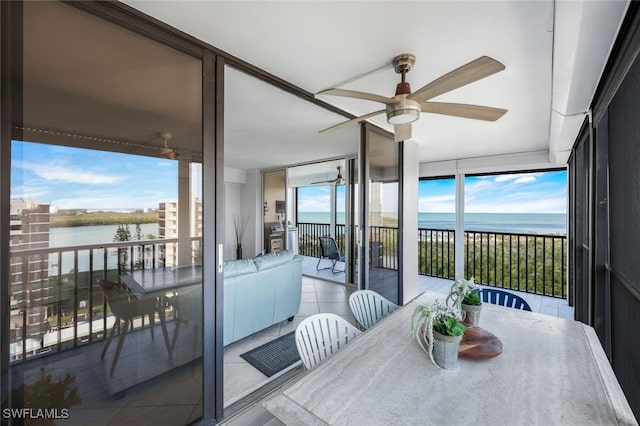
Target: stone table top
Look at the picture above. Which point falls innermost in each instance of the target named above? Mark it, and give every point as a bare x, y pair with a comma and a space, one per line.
551, 371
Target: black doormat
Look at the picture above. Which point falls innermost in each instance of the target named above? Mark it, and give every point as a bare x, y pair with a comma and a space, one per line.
275, 355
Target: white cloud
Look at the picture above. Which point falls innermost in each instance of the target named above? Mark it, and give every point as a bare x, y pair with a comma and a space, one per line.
518, 177
29, 192
437, 204
556, 204
61, 173
319, 203
525, 179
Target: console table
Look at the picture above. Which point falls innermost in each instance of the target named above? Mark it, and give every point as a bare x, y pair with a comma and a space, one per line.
551, 371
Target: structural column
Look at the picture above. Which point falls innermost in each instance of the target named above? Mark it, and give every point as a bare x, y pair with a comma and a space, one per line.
459, 235
409, 250
184, 214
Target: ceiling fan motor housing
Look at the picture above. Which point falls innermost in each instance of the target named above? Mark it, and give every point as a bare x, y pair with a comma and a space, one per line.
404, 111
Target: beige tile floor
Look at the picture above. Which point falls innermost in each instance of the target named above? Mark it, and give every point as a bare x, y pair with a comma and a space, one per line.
240, 378
320, 295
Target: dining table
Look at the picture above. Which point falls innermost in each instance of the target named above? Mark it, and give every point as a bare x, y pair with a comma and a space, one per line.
157, 281
550, 371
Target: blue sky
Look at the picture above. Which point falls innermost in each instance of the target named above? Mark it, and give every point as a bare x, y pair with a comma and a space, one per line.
98, 180
317, 198
80, 178
538, 192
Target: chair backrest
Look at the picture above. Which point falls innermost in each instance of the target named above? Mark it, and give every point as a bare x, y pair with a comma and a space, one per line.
329, 247
188, 303
368, 307
122, 302
321, 335
504, 298
114, 292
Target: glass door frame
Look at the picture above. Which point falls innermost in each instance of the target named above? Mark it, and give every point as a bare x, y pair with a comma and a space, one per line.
362, 234
11, 51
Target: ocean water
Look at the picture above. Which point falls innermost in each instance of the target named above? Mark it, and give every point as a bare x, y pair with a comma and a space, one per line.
519, 223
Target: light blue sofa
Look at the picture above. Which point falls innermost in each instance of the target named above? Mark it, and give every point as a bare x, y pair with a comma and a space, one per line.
260, 292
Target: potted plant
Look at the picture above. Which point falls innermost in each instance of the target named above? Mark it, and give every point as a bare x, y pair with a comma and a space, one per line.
465, 296
438, 331
239, 226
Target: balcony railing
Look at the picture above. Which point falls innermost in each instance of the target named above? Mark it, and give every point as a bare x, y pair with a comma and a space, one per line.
524, 262
56, 301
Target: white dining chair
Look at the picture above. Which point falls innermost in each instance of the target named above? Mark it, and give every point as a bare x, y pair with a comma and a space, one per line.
369, 307
321, 335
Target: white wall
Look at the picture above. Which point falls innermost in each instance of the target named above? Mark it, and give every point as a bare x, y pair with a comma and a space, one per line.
232, 203
251, 206
410, 220
242, 196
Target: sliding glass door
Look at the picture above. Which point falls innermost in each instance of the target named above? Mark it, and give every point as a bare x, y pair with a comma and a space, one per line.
103, 246
381, 199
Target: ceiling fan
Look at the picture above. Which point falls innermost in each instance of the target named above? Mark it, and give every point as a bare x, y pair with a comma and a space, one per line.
339, 180
405, 107
167, 152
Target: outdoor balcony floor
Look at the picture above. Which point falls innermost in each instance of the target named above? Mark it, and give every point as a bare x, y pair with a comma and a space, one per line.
543, 304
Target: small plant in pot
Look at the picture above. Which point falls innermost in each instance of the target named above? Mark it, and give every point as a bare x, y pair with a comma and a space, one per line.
438, 331
465, 296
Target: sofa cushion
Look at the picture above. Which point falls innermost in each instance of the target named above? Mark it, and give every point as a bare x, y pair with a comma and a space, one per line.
273, 259
234, 268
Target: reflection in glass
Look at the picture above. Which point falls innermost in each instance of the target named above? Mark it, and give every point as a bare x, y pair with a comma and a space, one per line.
383, 216
105, 286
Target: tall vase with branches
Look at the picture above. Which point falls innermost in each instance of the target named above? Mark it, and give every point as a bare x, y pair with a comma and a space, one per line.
240, 226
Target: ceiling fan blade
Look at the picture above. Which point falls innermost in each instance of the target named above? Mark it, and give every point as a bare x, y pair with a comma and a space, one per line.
323, 181
402, 132
475, 112
352, 121
358, 95
475, 70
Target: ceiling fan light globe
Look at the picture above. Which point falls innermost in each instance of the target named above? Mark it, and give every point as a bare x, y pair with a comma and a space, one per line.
403, 112
403, 117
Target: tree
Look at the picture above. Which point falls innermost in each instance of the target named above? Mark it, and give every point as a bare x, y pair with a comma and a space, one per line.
123, 233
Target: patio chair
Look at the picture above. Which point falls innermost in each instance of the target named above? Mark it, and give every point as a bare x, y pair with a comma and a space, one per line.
321, 335
368, 307
187, 303
329, 251
504, 298
125, 307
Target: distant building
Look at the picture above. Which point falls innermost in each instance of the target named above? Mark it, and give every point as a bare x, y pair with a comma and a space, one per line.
168, 228
30, 288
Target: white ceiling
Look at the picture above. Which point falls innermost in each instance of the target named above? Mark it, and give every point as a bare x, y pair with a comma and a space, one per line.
318, 45
554, 53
